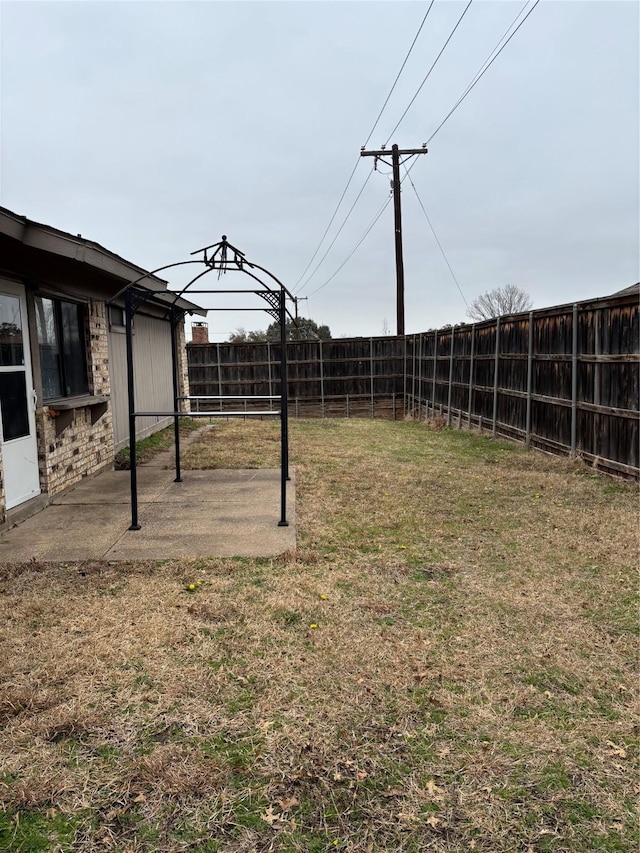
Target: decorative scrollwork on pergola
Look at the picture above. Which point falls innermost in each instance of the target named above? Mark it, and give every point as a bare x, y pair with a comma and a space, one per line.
221, 257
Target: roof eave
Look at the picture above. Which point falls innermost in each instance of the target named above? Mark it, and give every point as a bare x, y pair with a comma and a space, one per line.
52, 240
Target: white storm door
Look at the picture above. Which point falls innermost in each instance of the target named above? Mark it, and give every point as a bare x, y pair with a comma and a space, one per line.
17, 399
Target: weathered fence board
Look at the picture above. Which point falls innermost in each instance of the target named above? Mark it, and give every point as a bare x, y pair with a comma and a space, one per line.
564, 379
316, 369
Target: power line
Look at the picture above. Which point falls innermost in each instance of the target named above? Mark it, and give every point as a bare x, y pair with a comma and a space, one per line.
326, 231
356, 247
375, 124
453, 275
487, 64
483, 69
350, 178
338, 232
435, 62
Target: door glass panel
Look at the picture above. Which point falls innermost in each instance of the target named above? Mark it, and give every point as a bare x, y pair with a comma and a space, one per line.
11, 342
13, 405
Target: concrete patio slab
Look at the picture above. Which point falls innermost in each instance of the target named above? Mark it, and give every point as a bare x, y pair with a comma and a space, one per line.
69, 532
227, 536
210, 513
224, 485
115, 489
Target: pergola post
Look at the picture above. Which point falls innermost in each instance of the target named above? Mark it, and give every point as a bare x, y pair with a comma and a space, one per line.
176, 390
284, 420
131, 391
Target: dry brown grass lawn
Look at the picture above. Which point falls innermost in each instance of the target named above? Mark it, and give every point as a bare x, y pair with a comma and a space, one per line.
448, 662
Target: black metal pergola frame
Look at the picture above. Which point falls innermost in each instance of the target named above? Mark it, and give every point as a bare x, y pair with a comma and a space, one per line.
221, 257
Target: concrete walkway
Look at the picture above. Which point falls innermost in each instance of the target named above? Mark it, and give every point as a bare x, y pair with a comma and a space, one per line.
209, 514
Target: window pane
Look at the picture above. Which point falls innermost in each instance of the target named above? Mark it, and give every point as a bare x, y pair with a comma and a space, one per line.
13, 403
50, 365
73, 349
116, 315
11, 346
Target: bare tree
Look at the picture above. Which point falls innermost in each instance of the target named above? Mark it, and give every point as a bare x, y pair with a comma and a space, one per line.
509, 299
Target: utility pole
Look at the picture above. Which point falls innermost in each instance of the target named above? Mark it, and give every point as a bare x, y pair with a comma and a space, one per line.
396, 153
297, 299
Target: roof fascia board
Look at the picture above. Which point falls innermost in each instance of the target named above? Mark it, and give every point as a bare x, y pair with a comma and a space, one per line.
47, 239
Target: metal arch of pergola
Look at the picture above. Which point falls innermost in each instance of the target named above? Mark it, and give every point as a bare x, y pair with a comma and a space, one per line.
221, 257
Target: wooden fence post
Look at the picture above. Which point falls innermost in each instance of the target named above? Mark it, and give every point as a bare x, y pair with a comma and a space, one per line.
404, 377
450, 378
435, 370
321, 376
529, 382
270, 376
496, 361
471, 366
420, 378
371, 372
413, 375
597, 382
219, 374
574, 380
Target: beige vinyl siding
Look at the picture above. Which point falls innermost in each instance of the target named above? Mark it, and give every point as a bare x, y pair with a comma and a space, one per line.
152, 373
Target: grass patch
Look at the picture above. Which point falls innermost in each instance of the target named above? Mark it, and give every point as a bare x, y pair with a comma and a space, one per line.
157, 442
447, 662
35, 832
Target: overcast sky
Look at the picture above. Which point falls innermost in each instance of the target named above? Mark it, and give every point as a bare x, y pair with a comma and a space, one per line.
155, 127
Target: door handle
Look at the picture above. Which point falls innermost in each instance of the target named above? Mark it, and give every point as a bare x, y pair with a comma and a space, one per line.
35, 399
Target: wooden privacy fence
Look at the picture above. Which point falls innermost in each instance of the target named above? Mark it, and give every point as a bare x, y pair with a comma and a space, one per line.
353, 377
563, 379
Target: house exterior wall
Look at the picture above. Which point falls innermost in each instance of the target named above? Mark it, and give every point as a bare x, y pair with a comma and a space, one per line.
85, 446
75, 434
152, 376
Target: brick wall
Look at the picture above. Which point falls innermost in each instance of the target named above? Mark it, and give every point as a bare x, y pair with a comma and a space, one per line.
99, 379
183, 367
82, 448
67, 455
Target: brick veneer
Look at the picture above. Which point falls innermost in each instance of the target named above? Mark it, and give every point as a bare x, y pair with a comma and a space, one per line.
99, 356
82, 448
183, 367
